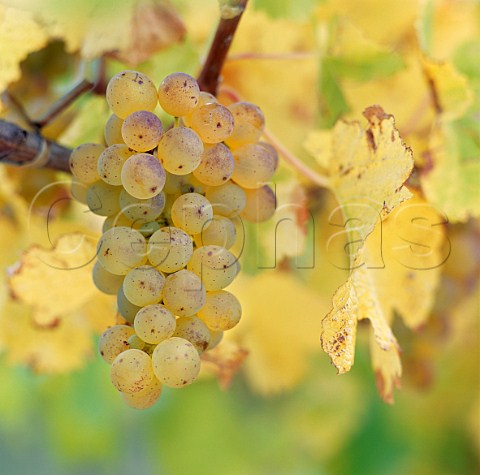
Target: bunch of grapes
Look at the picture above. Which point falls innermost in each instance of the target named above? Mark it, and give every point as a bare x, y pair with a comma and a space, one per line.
172, 199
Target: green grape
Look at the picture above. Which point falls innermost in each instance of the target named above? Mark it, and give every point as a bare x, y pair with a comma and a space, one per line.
118, 219
213, 122
227, 200
216, 166
178, 94
110, 163
126, 308
145, 398
142, 210
136, 343
254, 166
191, 212
203, 98
180, 150
114, 341
131, 91
83, 162
78, 190
215, 339
142, 130
131, 371
103, 199
120, 249
215, 265
221, 312
169, 249
176, 362
260, 205
154, 323
105, 281
143, 176
221, 232
143, 286
183, 293
249, 124
113, 131
195, 331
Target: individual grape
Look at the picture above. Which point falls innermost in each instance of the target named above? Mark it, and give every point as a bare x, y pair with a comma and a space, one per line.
227, 200
144, 210
180, 150
113, 131
131, 371
145, 398
254, 166
191, 212
182, 184
143, 176
131, 91
143, 286
221, 232
203, 98
221, 312
212, 122
136, 343
169, 249
178, 94
118, 219
273, 152
260, 205
142, 130
120, 249
78, 190
110, 163
183, 293
215, 265
105, 281
154, 323
83, 162
249, 124
103, 199
215, 339
195, 331
126, 308
114, 341
216, 166
176, 362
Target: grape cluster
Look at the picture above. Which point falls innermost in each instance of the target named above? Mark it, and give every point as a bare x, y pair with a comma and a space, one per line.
172, 199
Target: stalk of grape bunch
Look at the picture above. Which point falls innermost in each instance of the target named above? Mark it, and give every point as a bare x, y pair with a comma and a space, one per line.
172, 199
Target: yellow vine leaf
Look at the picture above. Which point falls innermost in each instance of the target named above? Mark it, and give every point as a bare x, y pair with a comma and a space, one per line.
367, 171
20, 35
65, 270
277, 335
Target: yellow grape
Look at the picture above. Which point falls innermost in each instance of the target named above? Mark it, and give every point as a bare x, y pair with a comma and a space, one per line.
114, 341
83, 162
176, 362
131, 371
178, 94
249, 124
260, 205
105, 281
203, 98
126, 308
216, 166
213, 122
111, 161
144, 398
103, 199
113, 131
220, 232
143, 176
254, 166
141, 210
191, 212
195, 331
143, 286
154, 323
221, 312
227, 200
183, 293
142, 130
131, 91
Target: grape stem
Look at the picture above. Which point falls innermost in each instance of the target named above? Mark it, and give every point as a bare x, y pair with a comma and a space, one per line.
209, 77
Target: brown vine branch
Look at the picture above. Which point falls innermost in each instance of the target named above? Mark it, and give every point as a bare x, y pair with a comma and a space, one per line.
22, 148
209, 76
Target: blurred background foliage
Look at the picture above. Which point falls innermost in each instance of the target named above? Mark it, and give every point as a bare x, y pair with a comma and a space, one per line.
307, 63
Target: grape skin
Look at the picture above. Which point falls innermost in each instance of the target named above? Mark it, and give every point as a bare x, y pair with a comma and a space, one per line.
143, 286
83, 162
144, 210
192, 212
249, 124
178, 94
260, 205
130, 91
142, 131
131, 371
105, 281
254, 166
221, 312
195, 331
143, 176
216, 165
126, 308
213, 122
227, 200
113, 131
154, 323
114, 341
103, 199
220, 232
110, 163
176, 362
183, 293
144, 398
